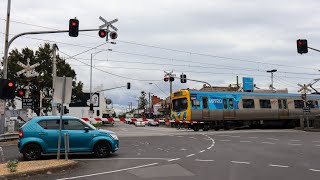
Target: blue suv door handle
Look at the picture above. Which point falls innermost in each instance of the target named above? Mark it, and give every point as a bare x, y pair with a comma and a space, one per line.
42, 133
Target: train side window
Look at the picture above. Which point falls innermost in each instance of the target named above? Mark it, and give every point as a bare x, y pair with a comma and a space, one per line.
312, 104
195, 103
248, 103
298, 104
285, 104
265, 103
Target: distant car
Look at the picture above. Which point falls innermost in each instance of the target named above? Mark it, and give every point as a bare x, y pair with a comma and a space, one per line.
153, 123
40, 136
140, 124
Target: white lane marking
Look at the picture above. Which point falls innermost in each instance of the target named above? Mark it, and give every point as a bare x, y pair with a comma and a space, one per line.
316, 141
183, 149
235, 136
109, 159
268, 143
272, 139
173, 159
209, 147
253, 137
109, 172
204, 160
277, 165
223, 135
316, 170
179, 136
294, 140
225, 140
240, 162
245, 141
190, 155
317, 145
294, 144
192, 138
202, 151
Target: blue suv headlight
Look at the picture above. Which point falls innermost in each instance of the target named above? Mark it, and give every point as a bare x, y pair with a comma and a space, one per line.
114, 136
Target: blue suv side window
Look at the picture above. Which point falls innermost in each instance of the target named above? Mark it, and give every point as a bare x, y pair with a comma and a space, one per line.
73, 125
49, 124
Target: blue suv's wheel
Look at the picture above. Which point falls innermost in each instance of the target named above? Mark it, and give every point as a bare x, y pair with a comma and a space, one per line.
102, 149
31, 152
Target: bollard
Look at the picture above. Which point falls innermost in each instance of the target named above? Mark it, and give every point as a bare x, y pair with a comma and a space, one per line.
66, 145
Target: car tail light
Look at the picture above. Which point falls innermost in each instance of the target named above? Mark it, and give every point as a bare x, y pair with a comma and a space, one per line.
20, 133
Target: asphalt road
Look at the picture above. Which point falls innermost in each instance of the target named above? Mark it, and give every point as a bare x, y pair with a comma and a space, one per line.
165, 153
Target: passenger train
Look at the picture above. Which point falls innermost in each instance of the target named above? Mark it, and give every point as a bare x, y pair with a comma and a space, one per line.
216, 110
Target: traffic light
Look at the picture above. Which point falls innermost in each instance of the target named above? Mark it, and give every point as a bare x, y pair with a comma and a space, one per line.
302, 46
113, 35
7, 89
166, 79
183, 78
21, 93
65, 110
73, 27
171, 78
128, 85
102, 33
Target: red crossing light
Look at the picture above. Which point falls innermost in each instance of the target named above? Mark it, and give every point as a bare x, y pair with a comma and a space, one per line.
102, 33
10, 84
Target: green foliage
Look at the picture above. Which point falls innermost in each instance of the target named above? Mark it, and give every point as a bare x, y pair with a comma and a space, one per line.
43, 82
12, 165
142, 100
97, 125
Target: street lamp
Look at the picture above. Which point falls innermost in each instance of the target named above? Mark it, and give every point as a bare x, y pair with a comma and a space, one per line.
92, 55
272, 71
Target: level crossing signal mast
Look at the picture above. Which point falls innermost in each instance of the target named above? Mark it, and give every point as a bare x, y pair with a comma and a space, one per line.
74, 27
302, 46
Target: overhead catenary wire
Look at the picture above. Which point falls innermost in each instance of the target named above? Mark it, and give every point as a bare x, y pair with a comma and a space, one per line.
181, 51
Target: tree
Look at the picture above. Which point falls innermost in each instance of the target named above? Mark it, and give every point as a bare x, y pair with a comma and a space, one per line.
42, 82
142, 100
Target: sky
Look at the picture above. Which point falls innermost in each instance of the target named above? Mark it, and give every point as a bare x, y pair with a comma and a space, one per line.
208, 40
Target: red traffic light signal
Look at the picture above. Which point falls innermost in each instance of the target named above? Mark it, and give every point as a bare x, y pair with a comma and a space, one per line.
166, 79
302, 46
21, 93
102, 33
10, 84
7, 89
73, 27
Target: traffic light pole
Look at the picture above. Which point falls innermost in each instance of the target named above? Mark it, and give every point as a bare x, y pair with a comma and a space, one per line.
314, 49
6, 50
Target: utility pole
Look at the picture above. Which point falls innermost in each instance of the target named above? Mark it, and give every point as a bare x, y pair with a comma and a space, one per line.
272, 71
170, 79
54, 75
150, 104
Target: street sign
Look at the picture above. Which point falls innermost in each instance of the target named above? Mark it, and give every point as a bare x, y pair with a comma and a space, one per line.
27, 103
108, 24
306, 109
58, 84
304, 88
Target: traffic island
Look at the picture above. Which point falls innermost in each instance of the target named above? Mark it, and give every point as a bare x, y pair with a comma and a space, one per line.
29, 168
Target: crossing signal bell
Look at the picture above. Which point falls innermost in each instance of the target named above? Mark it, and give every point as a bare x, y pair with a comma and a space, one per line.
7, 89
183, 78
73, 27
302, 46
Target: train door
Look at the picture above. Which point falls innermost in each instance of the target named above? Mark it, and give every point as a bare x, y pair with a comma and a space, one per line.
283, 109
205, 108
228, 108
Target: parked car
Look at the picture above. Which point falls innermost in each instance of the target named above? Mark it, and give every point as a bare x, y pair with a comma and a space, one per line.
140, 124
40, 136
153, 123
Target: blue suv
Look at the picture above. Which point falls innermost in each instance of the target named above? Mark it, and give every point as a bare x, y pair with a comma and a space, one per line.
40, 136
